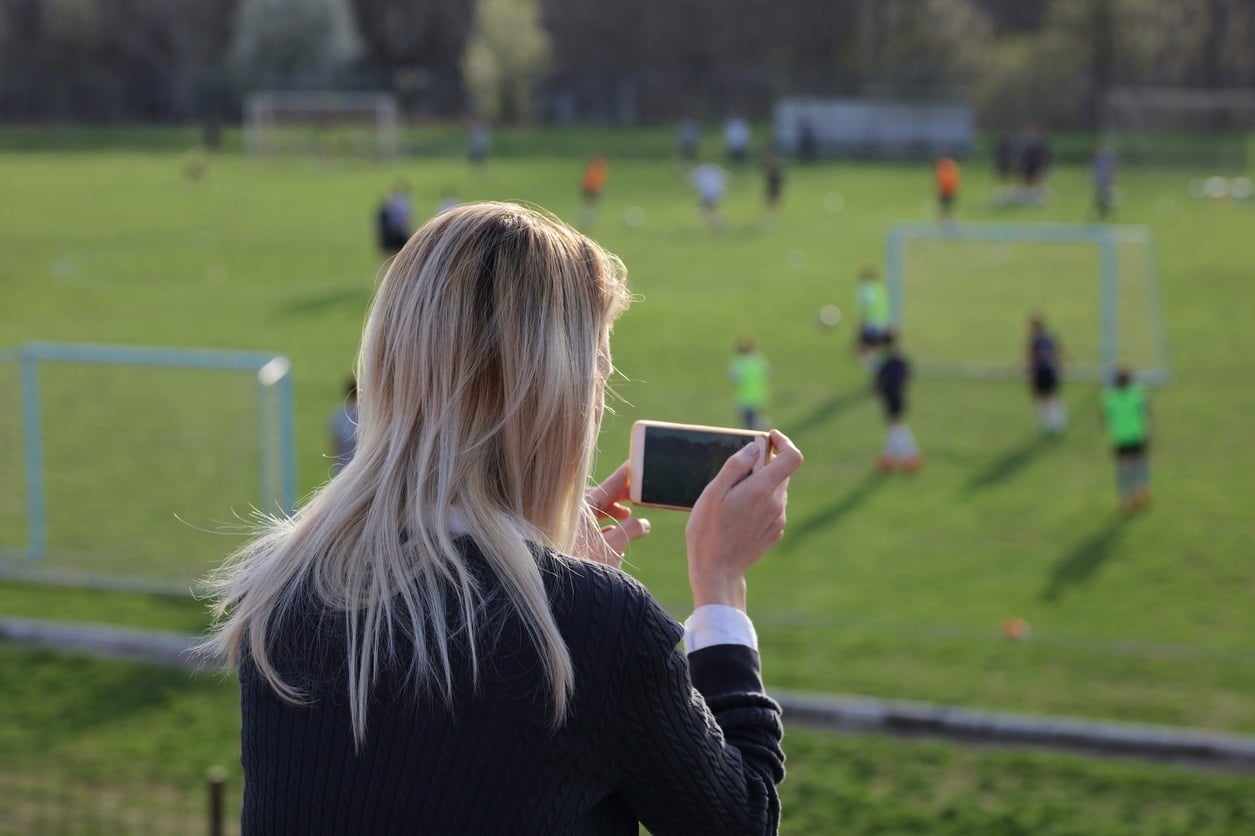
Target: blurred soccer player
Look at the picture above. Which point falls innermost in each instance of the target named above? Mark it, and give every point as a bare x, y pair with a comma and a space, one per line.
1045, 372
900, 451
1103, 170
711, 182
947, 172
773, 181
593, 181
689, 139
343, 428
736, 139
1126, 411
478, 144
750, 373
873, 307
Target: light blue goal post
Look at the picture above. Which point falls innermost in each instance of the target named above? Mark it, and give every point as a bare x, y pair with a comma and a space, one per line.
140, 466
961, 296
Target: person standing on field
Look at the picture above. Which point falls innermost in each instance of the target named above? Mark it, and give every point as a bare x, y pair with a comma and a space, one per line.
900, 451
947, 171
773, 180
343, 428
873, 306
750, 373
591, 184
1103, 170
1045, 372
711, 182
1126, 412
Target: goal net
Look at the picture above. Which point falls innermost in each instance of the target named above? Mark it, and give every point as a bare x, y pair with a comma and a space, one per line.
1210, 130
962, 297
139, 468
323, 123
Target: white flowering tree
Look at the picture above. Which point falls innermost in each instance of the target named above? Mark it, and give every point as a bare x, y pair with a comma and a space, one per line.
506, 56
287, 42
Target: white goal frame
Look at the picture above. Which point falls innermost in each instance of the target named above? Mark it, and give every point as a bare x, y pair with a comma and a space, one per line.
264, 109
276, 416
1107, 239
1133, 116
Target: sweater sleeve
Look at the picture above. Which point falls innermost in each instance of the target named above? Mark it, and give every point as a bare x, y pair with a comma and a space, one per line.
700, 747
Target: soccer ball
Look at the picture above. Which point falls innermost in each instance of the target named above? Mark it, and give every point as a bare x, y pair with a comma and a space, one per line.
1216, 188
829, 316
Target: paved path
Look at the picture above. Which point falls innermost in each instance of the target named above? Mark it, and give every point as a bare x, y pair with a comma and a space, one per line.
857, 714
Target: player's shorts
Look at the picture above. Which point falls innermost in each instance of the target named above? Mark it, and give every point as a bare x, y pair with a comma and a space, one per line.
591, 195
394, 241
895, 404
946, 200
1130, 449
775, 186
869, 336
1045, 380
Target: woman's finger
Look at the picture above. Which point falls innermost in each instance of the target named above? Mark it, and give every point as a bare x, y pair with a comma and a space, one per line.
618, 536
613, 490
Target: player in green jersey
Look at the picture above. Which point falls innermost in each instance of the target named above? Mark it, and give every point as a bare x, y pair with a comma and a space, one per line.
1126, 412
750, 373
873, 306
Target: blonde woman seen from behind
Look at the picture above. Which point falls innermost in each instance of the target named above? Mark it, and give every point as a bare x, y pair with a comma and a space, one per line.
440, 640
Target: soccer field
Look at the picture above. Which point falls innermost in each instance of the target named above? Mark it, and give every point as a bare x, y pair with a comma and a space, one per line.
884, 585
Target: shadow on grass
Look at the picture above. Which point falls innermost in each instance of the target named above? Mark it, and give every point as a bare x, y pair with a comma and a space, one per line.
1083, 562
847, 504
1008, 464
829, 409
353, 297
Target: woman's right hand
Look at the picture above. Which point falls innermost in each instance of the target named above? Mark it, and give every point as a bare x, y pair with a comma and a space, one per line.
738, 518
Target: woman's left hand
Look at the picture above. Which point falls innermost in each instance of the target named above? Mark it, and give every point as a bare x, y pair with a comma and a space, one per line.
607, 543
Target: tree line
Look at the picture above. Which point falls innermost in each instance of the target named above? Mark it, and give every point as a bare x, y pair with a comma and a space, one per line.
1015, 61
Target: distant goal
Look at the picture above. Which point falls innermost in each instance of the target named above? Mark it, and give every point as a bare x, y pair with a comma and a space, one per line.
1207, 130
961, 297
322, 123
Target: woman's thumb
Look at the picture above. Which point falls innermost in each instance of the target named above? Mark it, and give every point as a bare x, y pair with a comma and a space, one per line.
739, 465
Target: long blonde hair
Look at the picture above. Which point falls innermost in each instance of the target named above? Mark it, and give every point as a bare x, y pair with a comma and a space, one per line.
480, 381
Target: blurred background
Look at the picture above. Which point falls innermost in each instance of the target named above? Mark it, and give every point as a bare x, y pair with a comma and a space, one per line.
982, 626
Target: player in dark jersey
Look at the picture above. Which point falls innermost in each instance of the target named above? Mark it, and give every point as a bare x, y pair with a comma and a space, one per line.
900, 451
773, 177
1045, 367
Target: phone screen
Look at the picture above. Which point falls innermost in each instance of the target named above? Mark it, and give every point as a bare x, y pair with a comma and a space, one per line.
679, 463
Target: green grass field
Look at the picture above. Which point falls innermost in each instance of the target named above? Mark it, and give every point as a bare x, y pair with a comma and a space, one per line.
889, 586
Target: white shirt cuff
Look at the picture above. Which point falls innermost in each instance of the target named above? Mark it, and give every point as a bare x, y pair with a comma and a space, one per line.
714, 624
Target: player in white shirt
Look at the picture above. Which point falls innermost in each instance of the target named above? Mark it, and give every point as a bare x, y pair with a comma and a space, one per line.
711, 182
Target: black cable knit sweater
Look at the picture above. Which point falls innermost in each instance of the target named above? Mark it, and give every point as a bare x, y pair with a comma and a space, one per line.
681, 745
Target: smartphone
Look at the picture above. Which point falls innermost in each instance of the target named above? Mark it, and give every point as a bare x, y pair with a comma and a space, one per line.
671, 464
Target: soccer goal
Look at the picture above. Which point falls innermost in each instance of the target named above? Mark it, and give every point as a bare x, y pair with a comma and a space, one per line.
1209, 130
961, 297
139, 468
324, 123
